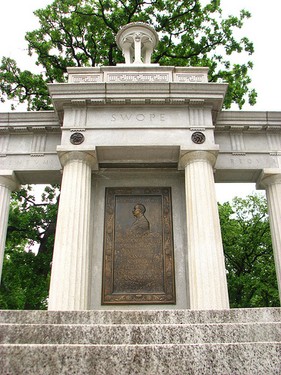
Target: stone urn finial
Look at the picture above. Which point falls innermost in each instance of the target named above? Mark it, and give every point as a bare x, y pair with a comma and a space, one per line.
137, 41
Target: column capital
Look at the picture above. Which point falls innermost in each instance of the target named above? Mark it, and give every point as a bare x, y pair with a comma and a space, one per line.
269, 176
8, 180
187, 157
85, 155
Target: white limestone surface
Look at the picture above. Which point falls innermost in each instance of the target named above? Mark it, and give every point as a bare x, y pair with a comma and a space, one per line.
69, 289
8, 183
206, 266
271, 180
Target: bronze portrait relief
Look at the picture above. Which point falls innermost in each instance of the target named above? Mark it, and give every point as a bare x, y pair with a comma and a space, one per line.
138, 261
141, 224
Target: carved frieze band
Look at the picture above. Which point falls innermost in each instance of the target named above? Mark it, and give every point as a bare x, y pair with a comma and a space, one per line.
155, 100
86, 78
190, 78
138, 77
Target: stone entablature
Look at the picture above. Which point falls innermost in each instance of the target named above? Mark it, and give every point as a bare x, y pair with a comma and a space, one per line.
248, 121
247, 132
131, 85
227, 121
28, 143
29, 121
248, 141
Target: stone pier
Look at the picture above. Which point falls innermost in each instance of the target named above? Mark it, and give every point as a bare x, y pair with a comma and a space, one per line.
206, 267
8, 183
69, 289
270, 180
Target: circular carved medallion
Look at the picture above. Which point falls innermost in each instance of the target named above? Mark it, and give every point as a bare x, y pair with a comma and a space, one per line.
77, 138
198, 138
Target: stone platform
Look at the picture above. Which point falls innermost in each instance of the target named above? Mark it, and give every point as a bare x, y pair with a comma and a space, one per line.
237, 341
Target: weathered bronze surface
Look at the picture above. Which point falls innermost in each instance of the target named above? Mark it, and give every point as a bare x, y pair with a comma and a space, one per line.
138, 259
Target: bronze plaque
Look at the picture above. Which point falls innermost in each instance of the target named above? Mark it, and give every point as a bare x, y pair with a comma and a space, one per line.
138, 259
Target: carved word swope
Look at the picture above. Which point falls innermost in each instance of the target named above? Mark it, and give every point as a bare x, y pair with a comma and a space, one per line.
138, 117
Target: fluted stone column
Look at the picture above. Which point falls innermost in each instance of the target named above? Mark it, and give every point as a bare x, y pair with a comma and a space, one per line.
206, 266
270, 180
69, 289
8, 183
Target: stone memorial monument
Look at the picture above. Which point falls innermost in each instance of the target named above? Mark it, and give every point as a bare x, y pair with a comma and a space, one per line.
137, 149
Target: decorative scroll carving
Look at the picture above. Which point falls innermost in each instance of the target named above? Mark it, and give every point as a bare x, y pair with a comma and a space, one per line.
190, 78
138, 263
86, 78
138, 77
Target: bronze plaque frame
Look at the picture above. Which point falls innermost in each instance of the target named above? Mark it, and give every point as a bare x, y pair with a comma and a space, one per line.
138, 257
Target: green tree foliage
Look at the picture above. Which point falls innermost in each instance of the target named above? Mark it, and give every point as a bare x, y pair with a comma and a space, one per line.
23, 86
248, 253
82, 33
26, 275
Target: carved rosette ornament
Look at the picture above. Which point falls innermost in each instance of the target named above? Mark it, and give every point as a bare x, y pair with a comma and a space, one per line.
198, 138
77, 138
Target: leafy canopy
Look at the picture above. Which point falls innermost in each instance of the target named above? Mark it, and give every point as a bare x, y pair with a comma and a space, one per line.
26, 275
248, 253
82, 33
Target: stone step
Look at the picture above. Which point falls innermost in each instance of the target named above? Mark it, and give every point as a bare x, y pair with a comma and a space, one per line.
139, 334
200, 359
141, 317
